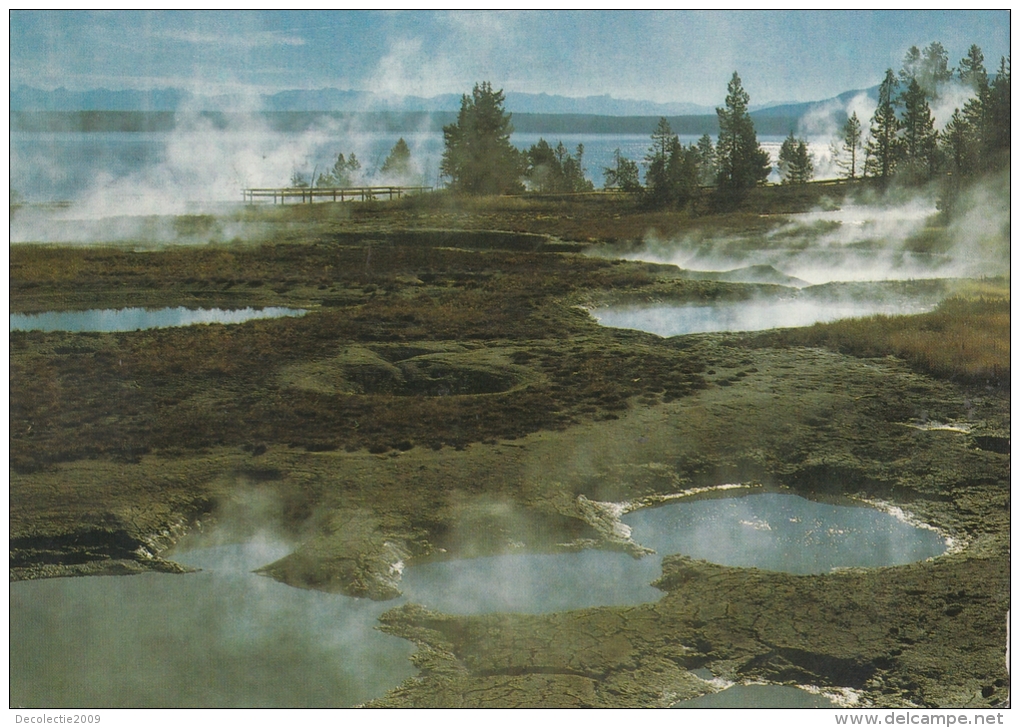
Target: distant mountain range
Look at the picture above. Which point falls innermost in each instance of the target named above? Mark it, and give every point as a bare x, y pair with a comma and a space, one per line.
331, 100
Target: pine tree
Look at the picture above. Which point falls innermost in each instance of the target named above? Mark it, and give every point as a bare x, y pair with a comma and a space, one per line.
911, 65
972, 70
883, 144
795, 165
935, 71
804, 166
960, 146
342, 174
919, 140
478, 157
398, 163
656, 177
555, 170
742, 162
574, 179
708, 166
996, 118
847, 146
682, 173
543, 167
623, 174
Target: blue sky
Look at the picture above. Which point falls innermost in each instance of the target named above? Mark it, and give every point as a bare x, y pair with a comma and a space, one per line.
668, 56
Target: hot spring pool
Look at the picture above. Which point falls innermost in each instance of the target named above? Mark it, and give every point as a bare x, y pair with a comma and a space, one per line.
225, 637
773, 531
222, 637
133, 319
753, 315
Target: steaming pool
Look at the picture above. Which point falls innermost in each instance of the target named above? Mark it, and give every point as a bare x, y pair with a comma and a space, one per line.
223, 637
753, 315
134, 319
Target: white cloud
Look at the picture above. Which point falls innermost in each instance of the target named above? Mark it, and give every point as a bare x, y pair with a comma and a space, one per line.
253, 39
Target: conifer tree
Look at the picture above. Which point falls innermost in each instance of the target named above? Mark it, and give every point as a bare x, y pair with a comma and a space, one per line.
847, 147
398, 163
996, 118
657, 160
883, 144
623, 174
708, 167
478, 157
918, 144
972, 70
795, 165
555, 170
742, 162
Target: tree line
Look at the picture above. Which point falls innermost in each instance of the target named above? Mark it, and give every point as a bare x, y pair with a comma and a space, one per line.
479, 158
344, 172
903, 144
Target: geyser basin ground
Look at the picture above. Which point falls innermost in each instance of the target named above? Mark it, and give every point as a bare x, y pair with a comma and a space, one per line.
134, 319
117, 438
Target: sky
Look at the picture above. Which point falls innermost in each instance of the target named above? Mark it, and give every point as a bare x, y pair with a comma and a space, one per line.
662, 56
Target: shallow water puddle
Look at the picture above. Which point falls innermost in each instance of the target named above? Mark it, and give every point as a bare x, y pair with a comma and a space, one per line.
133, 319
755, 315
225, 637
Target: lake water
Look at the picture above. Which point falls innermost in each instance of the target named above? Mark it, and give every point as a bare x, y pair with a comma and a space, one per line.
751, 315
134, 319
199, 164
225, 637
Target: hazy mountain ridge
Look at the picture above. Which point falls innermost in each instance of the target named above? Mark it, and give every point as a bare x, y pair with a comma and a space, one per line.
332, 100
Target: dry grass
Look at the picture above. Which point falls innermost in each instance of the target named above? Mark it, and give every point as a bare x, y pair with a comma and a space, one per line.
964, 339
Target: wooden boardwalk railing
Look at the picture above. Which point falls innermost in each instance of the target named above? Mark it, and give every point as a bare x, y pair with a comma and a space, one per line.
334, 194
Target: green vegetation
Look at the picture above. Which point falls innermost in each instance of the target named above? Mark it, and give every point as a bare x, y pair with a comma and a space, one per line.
743, 164
555, 170
342, 173
398, 162
672, 176
795, 165
479, 158
903, 143
847, 148
623, 175
883, 143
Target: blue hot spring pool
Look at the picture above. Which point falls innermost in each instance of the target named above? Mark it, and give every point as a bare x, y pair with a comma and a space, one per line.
133, 319
753, 315
225, 637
